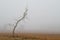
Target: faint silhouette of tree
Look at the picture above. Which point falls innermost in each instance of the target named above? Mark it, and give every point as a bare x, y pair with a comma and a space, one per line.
16, 24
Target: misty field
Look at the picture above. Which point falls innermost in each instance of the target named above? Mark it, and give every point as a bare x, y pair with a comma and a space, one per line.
29, 36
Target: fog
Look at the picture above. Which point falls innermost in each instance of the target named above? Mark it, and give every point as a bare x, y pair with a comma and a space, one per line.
43, 15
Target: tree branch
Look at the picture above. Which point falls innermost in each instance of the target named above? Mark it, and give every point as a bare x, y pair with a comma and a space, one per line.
24, 15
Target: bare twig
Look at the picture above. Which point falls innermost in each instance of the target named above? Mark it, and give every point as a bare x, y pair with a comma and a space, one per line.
24, 15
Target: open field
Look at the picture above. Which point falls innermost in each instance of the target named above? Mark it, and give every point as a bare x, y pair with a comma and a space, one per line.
29, 36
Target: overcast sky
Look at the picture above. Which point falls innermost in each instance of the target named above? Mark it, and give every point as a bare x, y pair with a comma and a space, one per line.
43, 15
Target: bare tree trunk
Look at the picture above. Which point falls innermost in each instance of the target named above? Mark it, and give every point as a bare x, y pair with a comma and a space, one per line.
24, 15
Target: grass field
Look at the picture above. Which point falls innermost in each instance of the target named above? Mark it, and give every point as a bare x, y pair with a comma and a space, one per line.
29, 36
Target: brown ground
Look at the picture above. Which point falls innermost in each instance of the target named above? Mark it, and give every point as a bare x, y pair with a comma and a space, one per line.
29, 36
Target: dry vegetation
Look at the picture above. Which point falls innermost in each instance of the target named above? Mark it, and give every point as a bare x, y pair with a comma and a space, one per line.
29, 36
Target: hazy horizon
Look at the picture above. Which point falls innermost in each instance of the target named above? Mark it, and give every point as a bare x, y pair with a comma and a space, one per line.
43, 15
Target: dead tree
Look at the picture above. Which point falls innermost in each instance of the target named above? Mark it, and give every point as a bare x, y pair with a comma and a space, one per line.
23, 17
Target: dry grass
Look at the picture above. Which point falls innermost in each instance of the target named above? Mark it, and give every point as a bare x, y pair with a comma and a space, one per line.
29, 36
